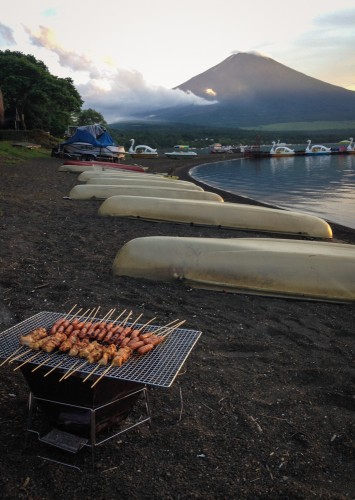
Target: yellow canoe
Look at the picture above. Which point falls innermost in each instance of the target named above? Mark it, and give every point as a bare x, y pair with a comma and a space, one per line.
128, 181
101, 192
230, 215
263, 266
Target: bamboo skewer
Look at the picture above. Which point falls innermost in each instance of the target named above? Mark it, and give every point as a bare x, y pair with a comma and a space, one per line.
108, 315
126, 319
135, 321
77, 368
39, 366
102, 375
78, 311
71, 310
67, 374
10, 356
146, 324
93, 313
172, 328
92, 371
27, 361
165, 326
20, 355
52, 369
118, 317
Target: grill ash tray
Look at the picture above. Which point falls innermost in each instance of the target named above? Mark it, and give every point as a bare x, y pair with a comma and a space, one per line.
64, 440
157, 368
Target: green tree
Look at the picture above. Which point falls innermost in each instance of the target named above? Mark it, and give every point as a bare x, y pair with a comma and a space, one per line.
89, 117
1, 109
33, 98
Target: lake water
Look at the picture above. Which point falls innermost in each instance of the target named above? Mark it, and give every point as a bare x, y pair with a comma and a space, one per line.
318, 185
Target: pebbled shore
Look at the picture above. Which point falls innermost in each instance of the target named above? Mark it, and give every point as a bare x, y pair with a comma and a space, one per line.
264, 405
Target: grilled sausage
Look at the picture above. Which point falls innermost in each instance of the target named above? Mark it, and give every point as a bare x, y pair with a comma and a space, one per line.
145, 348
135, 344
154, 340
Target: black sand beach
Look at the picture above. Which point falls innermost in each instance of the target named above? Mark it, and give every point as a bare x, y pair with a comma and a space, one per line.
262, 409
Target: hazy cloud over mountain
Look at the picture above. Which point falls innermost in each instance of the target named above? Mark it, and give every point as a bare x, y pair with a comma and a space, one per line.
115, 92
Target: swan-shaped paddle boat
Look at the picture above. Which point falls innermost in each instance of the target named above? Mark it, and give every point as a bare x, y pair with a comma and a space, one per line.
142, 151
351, 147
281, 150
317, 149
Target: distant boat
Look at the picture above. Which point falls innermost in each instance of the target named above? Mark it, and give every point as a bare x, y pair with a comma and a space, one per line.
218, 148
142, 151
281, 150
181, 152
317, 149
351, 147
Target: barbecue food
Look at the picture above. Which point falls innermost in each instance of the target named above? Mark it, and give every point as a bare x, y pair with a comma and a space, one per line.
34, 336
99, 342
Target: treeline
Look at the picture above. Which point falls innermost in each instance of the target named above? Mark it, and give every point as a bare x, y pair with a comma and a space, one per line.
167, 135
31, 98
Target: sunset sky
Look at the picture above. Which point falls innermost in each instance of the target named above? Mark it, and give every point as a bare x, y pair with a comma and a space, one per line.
123, 56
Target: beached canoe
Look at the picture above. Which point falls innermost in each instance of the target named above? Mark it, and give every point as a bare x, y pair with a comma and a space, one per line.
143, 181
93, 162
101, 192
83, 167
88, 174
229, 215
263, 266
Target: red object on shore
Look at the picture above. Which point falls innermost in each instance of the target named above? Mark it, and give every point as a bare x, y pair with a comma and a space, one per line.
107, 164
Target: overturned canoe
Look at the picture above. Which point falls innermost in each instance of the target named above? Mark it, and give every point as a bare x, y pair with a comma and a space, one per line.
230, 215
91, 162
263, 266
83, 167
101, 192
88, 174
142, 181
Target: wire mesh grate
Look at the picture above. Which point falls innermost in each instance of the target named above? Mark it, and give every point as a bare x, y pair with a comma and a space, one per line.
157, 368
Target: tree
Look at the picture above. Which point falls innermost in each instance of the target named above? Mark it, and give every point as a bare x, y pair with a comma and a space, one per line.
33, 98
1, 109
89, 117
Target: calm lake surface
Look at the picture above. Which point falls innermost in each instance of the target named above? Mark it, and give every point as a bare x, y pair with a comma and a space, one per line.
318, 185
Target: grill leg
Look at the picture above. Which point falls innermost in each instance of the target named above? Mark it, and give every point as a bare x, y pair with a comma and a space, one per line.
147, 405
31, 407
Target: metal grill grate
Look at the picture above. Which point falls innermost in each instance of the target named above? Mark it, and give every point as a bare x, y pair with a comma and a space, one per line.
156, 368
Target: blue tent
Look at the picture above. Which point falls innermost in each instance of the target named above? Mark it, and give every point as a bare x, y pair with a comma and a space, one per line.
91, 134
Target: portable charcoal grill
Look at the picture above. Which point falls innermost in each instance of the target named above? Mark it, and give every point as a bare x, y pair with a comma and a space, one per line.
77, 409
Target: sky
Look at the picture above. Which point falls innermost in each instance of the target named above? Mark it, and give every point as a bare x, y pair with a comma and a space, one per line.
127, 56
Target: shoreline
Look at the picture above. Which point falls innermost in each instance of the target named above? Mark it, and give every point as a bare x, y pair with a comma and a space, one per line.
181, 169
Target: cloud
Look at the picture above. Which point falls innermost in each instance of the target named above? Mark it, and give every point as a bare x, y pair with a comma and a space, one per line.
6, 36
126, 93
113, 91
46, 39
341, 19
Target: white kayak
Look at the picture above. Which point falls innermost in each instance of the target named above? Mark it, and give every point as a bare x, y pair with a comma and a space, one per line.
78, 168
101, 192
263, 266
229, 215
117, 180
131, 174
